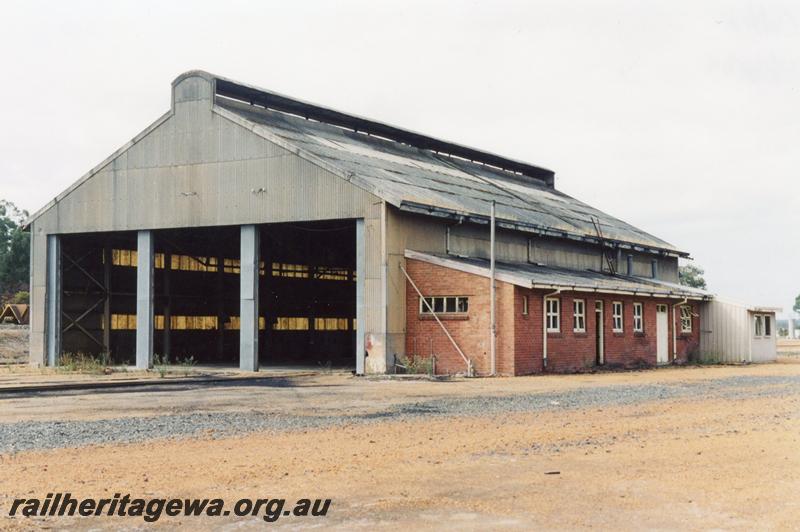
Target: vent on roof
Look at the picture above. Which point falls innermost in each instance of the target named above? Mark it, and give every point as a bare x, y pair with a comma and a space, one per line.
277, 102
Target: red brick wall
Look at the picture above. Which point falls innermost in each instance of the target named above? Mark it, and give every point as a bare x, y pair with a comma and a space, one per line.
519, 337
574, 351
424, 336
528, 333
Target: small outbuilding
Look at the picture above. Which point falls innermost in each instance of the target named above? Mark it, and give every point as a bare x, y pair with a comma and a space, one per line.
734, 333
14, 314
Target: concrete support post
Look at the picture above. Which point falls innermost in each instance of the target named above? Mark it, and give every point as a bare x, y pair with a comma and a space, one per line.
248, 295
361, 309
53, 291
144, 300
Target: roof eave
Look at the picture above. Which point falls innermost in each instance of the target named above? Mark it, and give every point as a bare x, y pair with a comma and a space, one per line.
514, 225
524, 282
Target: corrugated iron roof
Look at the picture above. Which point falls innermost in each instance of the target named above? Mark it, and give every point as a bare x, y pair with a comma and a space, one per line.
537, 276
412, 171
423, 180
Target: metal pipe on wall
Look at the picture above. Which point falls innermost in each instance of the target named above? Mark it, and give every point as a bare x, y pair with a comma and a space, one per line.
492, 295
675, 329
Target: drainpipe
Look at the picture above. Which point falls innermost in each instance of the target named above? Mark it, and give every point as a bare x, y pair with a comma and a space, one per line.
544, 324
493, 296
675, 329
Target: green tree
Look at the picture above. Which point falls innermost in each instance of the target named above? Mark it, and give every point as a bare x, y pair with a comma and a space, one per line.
796, 307
14, 249
691, 275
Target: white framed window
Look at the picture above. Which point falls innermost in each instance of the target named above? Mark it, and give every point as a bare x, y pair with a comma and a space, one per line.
767, 326
444, 305
553, 308
524, 305
638, 317
686, 319
578, 315
616, 316
759, 325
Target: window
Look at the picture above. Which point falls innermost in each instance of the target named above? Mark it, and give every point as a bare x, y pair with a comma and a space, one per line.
444, 305
290, 324
331, 324
616, 316
524, 305
767, 326
638, 321
553, 307
579, 315
281, 269
331, 273
759, 325
686, 319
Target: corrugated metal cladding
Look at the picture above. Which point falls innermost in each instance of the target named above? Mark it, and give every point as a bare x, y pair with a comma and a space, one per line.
727, 334
528, 275
198, 169
405, 175
194, 168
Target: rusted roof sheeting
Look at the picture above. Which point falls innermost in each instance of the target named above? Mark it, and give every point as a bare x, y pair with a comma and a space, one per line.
278, 102
421, 180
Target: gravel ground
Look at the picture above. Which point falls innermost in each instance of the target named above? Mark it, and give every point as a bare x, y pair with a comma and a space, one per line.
13, 344
33, 435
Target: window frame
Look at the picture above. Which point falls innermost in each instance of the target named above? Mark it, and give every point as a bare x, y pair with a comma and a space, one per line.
615, 317
553, 316
638, 318
686, 318
579, 318
758, 322
423, 309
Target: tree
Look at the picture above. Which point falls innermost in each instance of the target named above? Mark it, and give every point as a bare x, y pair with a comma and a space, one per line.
796, 307
14, 249
691, 275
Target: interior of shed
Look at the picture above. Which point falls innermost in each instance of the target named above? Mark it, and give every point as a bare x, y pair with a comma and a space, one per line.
307, 295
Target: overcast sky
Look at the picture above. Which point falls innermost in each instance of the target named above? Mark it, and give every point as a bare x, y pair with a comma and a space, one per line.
682, 118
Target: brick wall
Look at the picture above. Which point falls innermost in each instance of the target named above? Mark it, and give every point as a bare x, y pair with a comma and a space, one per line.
569, 350
519, 336
424, 336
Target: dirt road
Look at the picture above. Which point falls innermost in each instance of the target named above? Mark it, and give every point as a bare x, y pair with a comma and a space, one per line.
714, 447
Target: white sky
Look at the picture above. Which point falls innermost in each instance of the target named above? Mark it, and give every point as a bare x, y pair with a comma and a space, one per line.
682, 118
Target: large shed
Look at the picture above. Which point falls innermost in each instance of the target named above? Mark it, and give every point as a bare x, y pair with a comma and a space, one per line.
244, 227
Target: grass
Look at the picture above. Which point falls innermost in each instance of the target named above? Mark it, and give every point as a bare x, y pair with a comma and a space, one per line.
416, 365
82, 363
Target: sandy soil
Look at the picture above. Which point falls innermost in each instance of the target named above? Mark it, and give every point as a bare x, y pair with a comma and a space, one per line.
13, 344
788, 347
699, 463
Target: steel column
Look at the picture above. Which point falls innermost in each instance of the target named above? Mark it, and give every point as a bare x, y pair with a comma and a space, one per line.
144, 300
361, 309
53, 292
248, 296
167, 306
107, 259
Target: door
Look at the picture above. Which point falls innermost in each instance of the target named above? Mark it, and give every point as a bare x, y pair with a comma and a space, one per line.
598, 333
662, 334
